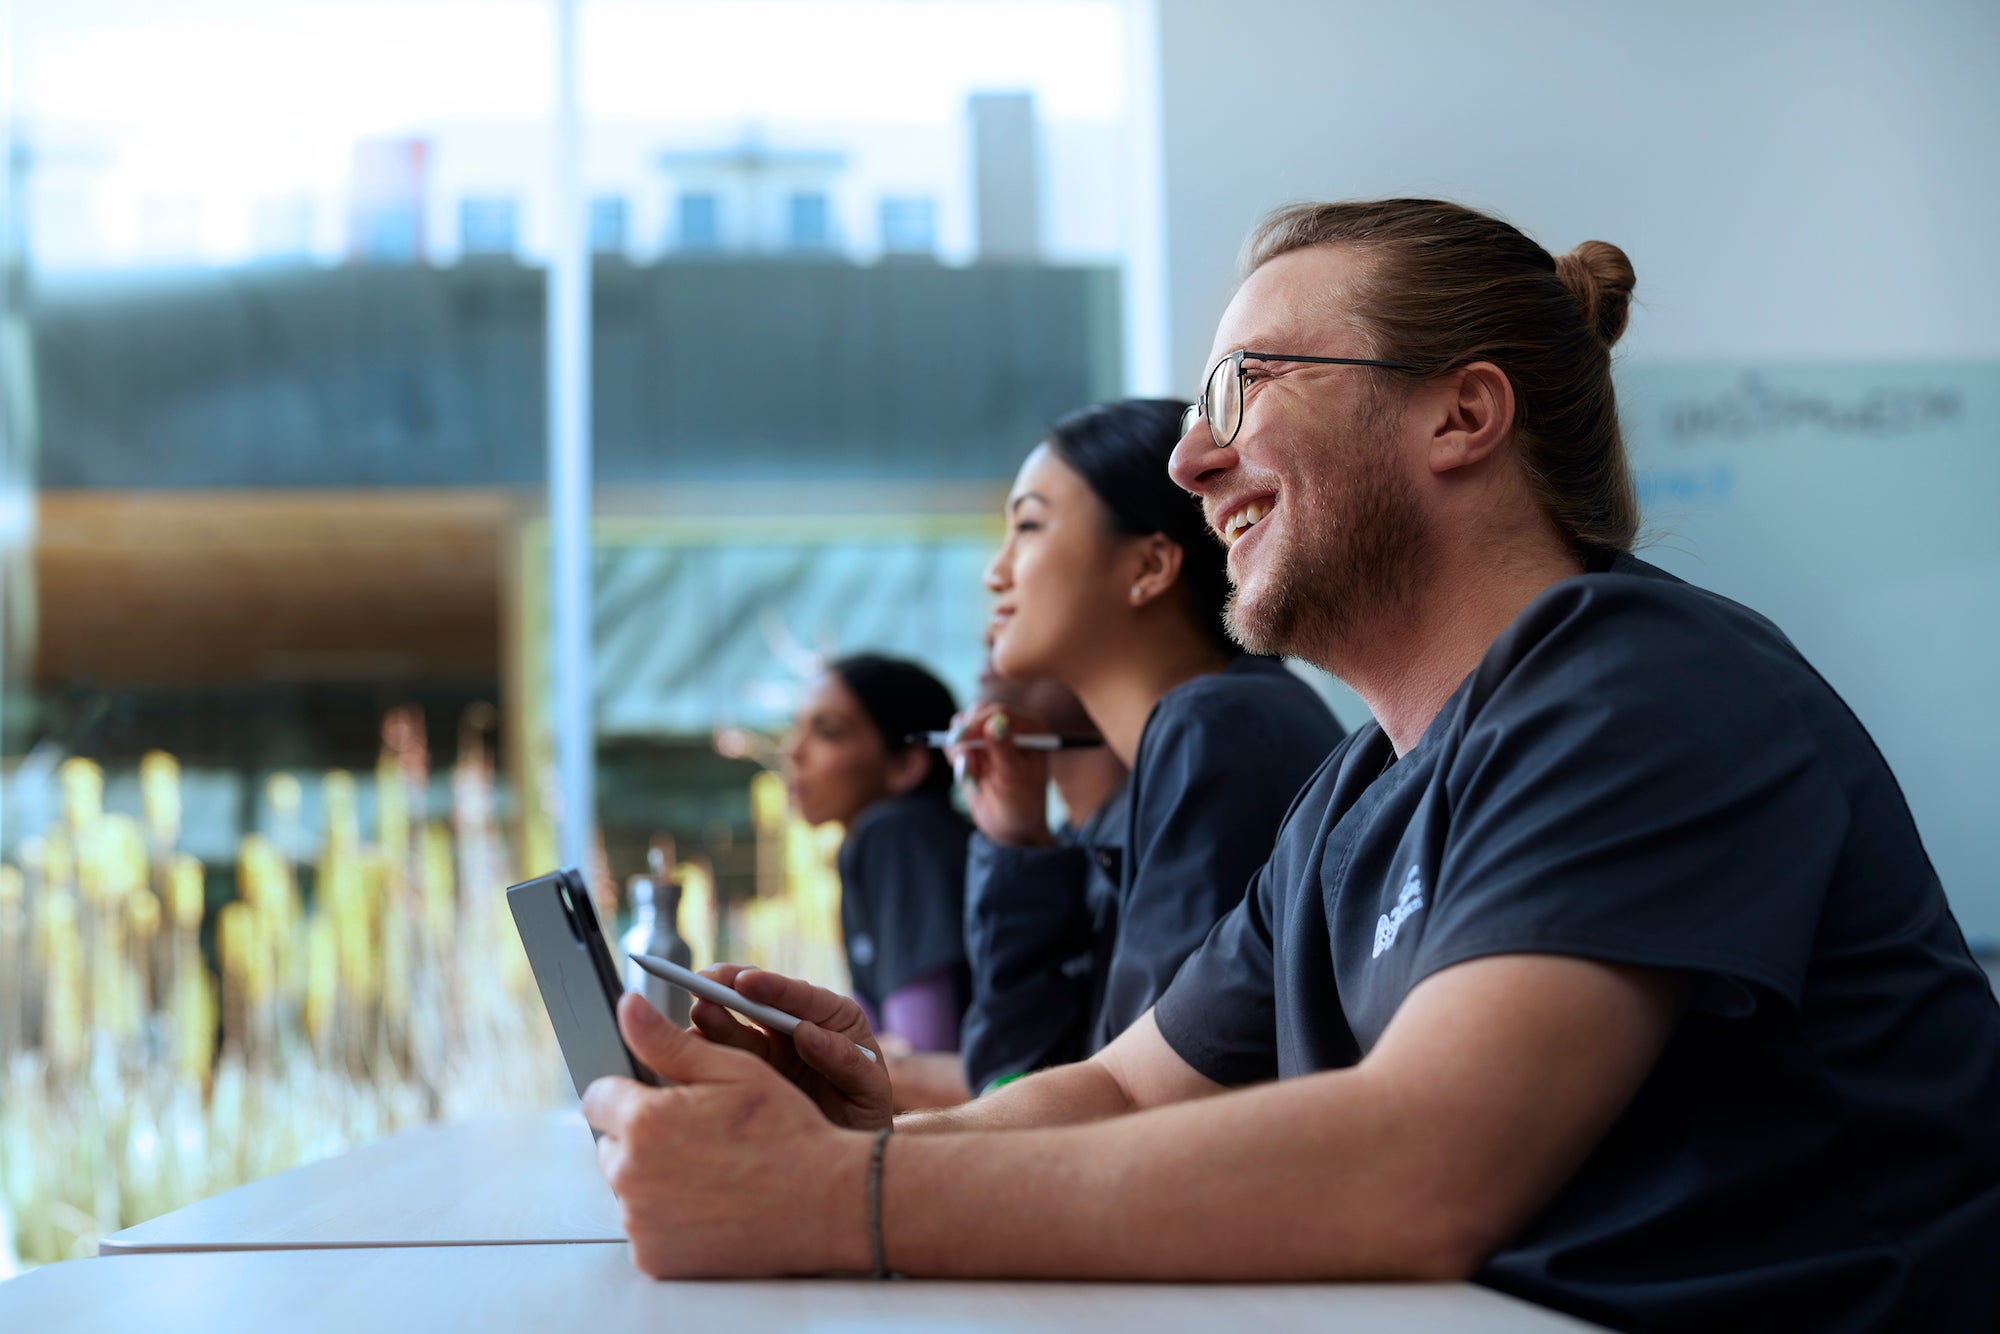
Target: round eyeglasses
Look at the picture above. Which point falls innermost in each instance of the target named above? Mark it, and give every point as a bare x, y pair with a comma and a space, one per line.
1221, 401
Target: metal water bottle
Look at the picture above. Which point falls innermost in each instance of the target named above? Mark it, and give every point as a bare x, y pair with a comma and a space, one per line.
655, 906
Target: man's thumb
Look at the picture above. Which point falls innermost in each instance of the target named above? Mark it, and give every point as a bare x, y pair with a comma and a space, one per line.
673, 1053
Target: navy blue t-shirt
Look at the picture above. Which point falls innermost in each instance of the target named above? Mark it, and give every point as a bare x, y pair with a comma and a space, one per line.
902, 894
1070, 945
1645, 773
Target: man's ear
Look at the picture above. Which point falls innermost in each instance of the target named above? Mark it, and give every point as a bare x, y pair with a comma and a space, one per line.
1471, 413
1155, 567
908, 768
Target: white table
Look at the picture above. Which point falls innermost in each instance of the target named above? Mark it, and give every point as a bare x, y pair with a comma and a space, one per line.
498, 1289
526, 1177
461, 1226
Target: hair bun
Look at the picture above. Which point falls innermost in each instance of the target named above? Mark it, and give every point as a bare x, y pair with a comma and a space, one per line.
1599, 276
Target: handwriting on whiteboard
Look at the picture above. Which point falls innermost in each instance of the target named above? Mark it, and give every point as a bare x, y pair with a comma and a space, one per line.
1754, 407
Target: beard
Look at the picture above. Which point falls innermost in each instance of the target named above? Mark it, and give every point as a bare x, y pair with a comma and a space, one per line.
1356, 554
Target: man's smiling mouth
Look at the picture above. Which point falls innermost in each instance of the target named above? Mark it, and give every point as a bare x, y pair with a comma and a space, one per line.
1243, 520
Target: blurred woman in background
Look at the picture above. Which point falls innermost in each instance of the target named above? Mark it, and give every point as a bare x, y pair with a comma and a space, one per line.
902, 863
1110, 584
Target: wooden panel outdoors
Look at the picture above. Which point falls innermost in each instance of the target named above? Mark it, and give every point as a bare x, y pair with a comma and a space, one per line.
207, 588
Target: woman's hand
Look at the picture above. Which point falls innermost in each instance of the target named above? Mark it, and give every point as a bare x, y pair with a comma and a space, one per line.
819, 1058
1006, 788
728, 1173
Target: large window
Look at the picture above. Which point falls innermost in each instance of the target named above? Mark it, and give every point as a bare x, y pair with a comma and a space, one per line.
276, 611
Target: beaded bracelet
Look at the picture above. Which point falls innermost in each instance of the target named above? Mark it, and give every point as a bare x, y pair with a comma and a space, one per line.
875, 1202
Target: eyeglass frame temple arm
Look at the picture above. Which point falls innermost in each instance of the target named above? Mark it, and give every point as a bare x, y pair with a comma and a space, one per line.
1198, 410
1240, 357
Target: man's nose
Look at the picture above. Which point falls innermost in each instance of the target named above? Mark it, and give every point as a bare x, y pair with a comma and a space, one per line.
1197, 459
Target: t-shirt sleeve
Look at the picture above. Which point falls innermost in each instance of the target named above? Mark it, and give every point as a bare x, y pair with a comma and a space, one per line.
914, 871
1028, 942
1220, 1012
1640, 787
924, 1012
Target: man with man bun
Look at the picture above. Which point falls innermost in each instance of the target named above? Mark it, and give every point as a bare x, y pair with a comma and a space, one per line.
1605, 968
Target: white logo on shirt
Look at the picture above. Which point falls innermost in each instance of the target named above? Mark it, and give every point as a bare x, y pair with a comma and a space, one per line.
1408, 901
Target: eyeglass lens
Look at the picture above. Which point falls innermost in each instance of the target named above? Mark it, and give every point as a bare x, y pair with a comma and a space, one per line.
1222, 396
1225, 399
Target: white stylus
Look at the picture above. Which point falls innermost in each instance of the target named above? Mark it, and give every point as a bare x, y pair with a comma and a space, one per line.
1023, 740
709, 989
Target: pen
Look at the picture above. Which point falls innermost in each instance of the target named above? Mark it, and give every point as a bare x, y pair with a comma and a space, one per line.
709, 989
1026, 741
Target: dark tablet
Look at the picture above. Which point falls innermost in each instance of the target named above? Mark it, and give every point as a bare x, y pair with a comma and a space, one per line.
573, 969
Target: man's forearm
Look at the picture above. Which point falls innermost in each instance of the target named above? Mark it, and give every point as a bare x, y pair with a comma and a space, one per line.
1064, 1096
1493, 1083
1258, 1184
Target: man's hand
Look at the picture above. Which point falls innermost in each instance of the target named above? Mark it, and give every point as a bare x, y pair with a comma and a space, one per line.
1006, 788
820, 1058
730, 1173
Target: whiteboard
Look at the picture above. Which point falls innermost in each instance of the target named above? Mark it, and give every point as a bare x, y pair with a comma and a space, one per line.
1858, 507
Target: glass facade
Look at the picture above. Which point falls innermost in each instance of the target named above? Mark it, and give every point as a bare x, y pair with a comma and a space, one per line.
276, 611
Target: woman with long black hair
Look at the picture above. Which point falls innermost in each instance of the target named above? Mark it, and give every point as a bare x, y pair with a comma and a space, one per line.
1110, 583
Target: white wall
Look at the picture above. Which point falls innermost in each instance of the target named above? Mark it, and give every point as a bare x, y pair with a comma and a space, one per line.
1810, 192
1791, 180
